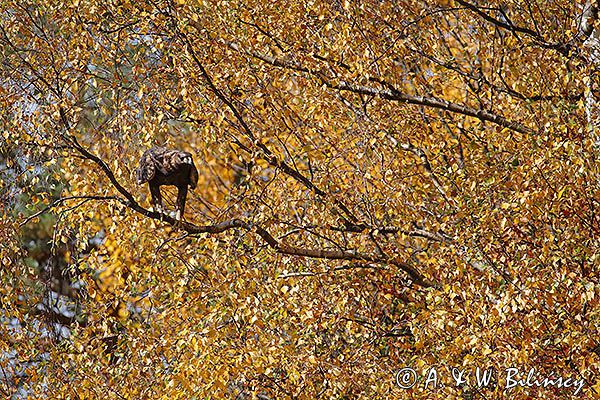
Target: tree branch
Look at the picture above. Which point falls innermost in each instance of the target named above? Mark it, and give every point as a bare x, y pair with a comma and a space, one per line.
395, 95
588, 18
282, 248
564, 49
269, 156
64, 199
427, 166
389, 93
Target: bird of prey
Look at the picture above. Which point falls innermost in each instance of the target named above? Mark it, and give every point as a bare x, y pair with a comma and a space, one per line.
161, 166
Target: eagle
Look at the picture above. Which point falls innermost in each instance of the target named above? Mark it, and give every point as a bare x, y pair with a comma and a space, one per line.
161, 166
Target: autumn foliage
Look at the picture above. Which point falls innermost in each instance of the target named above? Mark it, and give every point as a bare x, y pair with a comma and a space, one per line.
383, 184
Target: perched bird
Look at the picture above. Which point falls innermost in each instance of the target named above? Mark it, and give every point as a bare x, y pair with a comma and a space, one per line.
161, 166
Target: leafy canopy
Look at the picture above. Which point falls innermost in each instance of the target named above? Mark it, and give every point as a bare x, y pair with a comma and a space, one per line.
382, 184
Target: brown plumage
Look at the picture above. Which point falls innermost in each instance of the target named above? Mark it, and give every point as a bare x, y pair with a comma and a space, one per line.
161, 166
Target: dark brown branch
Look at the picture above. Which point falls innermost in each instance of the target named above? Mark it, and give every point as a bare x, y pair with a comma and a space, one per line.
106, 170
269, 156
282, 248
480, 78
387, 230
509, 26
564, 49
427, 166
389, 93
589, 18
348, 255
57, 317
395, 95
264, 32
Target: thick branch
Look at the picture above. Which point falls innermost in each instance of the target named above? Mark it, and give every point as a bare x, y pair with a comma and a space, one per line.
588, 18
389, 93
269, 156
396, 95
564, 49
282, 248
386, 230
509, 26
349, 255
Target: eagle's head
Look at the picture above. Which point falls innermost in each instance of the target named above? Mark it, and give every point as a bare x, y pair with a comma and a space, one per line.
146, 169
139, 177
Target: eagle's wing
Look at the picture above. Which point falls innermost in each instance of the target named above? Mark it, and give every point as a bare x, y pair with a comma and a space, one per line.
170, 161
